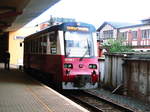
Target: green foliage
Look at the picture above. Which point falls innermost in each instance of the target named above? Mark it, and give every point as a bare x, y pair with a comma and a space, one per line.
113, 46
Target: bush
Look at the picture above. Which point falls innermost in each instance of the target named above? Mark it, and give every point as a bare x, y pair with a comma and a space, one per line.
113, 46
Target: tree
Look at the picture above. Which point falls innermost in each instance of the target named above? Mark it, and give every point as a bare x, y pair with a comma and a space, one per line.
113, 46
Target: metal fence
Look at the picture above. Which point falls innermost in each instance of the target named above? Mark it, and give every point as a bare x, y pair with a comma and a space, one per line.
111, 74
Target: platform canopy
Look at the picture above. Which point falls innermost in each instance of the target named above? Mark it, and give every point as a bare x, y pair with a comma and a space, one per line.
14, 14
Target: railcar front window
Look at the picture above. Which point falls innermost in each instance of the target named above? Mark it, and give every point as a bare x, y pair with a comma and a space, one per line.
78, 44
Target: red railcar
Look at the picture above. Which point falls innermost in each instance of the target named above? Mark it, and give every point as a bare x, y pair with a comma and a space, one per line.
67, 53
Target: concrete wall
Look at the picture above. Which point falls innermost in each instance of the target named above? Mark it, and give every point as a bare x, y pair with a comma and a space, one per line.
137, 78
15, 38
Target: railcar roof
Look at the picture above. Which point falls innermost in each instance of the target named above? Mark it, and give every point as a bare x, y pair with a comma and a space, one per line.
63, 27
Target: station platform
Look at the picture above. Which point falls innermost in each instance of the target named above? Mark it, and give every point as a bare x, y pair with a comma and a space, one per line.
20, 93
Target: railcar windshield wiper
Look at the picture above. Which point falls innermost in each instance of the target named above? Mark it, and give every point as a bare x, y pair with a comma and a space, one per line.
88, 49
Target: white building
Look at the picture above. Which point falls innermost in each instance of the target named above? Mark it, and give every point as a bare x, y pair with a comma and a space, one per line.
135, 35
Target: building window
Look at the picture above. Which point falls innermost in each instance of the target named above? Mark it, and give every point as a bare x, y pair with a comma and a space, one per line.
146, 33
123, 35
134, 34
108, 34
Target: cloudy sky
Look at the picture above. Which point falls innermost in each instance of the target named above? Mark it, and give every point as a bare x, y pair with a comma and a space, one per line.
98, 11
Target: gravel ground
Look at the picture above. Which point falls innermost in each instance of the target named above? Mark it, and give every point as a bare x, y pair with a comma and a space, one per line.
123, 100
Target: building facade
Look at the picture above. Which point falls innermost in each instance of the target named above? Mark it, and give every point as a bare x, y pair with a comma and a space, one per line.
15, 50
135, 35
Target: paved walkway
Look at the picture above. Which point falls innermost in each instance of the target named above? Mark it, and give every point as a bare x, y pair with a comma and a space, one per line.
20, 93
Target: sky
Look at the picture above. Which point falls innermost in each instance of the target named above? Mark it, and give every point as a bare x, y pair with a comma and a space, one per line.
97, 11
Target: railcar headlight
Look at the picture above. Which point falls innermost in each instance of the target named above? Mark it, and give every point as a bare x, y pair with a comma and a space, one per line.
68, 65
92, 66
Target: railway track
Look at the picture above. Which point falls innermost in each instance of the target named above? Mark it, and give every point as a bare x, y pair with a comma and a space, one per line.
96, 104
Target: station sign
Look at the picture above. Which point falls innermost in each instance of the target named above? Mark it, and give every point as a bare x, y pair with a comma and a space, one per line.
19, 37
77, 28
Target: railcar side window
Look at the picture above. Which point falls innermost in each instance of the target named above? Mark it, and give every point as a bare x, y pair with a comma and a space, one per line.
48, 45
40, 46
25, 48
53, 43
28, 46
44, 44
36, 46
31, 46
